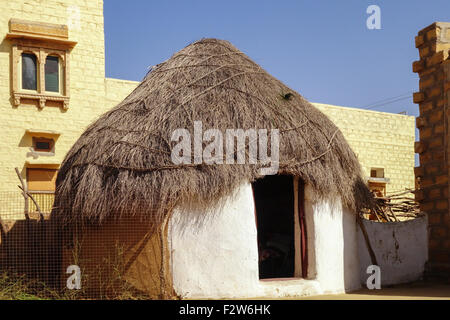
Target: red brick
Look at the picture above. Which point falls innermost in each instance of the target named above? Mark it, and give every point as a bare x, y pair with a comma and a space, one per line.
417, 66
425, 83
442, 205
421, 122
447, 86
418, 171
442, 179
426, 182
441, 257
446, 219
438, 129
435, 59
425, 157
435, 92
427, 71
431, 169
438, 154
425, 133
419, 147
446, 244
418, 97
434, 244
419, 41
419, 195
426, 206
440, 76
434, 219
434, 193
436, 142
438, 232
424, 51
436, 116
424, 107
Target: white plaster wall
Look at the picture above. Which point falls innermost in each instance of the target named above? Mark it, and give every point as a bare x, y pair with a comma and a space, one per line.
332, 245
216, 258
401, 249
219, 257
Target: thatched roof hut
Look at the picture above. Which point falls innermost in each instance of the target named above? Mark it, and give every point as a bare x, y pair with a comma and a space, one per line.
120, 182
121, 165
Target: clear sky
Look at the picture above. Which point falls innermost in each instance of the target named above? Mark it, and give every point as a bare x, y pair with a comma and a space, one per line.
322, 49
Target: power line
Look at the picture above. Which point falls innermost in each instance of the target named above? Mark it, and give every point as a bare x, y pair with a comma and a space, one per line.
388, 101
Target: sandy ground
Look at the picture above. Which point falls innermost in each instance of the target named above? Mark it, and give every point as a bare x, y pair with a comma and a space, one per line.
411, 291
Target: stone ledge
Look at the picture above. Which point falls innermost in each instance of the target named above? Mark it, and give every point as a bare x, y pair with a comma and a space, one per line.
39, 28
41, 98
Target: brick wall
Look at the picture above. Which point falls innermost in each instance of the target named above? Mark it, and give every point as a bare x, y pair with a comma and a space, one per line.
433, 68
380, 140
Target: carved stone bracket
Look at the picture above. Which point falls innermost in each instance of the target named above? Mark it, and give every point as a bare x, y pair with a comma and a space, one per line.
41, 99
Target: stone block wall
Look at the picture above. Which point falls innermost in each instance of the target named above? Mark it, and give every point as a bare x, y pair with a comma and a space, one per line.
432, 176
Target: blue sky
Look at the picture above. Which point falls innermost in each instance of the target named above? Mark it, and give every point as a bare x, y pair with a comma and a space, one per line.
322, 49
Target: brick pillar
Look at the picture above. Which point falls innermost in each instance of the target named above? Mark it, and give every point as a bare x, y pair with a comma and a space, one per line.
432, 176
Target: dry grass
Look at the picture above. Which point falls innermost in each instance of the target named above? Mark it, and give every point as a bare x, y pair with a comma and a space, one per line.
19, 287
121, 165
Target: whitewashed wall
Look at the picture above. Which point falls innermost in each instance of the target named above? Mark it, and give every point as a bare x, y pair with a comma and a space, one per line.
401, 249
218, 257
332, 245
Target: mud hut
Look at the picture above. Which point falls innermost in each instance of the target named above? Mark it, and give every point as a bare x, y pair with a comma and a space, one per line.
215, 228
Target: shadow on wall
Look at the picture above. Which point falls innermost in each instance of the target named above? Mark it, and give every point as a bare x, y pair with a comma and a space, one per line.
350, 250
5, 47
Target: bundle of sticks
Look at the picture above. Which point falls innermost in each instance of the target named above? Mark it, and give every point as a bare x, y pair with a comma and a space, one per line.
395, 207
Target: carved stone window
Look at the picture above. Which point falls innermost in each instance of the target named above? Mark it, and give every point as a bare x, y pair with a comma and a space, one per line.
40, 63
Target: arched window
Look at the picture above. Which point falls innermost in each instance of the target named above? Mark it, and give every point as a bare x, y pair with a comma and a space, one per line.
40, 63
29, 71
52, 76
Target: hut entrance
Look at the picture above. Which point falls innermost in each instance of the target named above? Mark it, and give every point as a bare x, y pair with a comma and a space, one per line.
276, 224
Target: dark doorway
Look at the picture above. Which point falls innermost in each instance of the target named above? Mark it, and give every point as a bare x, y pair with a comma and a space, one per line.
274, 204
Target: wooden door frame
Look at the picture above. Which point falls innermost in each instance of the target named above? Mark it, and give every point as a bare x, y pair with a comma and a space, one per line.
303, 230
301, 244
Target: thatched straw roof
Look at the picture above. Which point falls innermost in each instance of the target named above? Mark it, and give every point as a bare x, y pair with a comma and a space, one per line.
121, 165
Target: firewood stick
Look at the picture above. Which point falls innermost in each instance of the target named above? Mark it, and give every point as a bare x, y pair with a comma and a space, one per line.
41, 216
25, 193
367, 240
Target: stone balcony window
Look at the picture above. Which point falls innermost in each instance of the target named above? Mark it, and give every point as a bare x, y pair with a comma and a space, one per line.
40, 63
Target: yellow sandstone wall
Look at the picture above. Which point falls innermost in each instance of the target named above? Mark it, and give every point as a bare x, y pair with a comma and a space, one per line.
117, 89
90, 93
380, 140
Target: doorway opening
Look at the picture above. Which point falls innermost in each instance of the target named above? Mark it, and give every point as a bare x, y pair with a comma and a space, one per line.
275, 220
